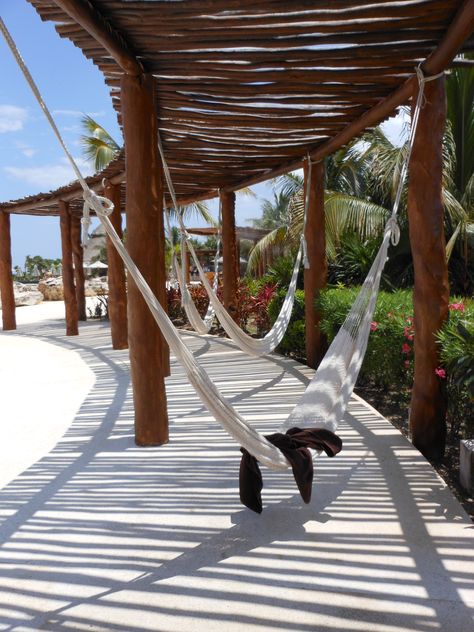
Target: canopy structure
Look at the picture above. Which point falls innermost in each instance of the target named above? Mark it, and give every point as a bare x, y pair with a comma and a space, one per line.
246, 89
242, 91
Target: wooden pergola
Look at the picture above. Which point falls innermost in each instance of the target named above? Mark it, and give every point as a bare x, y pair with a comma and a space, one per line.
242, 91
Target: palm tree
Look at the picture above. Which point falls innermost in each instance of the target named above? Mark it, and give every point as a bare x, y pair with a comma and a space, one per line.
347, 207
98, 145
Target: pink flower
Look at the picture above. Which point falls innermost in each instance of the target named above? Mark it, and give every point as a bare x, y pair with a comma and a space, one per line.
409, 320
459, 307
406, 348
373, 326
441, 373
408, 333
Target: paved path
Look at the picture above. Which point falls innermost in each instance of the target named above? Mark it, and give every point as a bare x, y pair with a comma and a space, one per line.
97, 534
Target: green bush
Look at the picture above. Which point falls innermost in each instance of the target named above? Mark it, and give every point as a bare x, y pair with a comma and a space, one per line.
388, 361
456, 340
293, 342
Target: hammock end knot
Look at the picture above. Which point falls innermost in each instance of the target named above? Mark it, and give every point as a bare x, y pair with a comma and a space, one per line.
393, 228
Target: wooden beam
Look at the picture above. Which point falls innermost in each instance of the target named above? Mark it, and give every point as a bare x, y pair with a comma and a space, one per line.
144, 217
116, 275
69, 289
315, 277
229, 252
431, 291
78, 259
51, 201
89, 18
459, 30
6, 279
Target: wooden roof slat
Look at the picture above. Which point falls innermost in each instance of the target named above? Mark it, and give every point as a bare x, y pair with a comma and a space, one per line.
242, 85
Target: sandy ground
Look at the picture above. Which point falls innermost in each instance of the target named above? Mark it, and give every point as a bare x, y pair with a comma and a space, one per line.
98, 534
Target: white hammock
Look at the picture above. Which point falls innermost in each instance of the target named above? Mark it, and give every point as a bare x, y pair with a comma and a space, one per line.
201, 325
326, 398
251, 346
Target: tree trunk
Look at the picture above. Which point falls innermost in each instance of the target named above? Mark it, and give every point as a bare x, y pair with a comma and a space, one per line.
78, 258
315, 277
144, 230
69, 289
431, 291
6, 279
229, 252
116, 275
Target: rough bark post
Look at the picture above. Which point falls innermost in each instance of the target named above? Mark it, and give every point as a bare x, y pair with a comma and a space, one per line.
116, 275
229, 251
6, 278
69, 289
78, 259
144, 230
431, 291
315, 277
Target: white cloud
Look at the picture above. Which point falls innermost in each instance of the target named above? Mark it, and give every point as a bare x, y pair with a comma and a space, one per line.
67, 113
26, 150
47, 177
78, 113
12, 118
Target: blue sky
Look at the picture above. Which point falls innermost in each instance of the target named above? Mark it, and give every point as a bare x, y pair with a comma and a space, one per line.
31, 159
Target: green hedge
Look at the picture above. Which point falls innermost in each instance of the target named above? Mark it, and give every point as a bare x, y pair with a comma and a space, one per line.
388, 362
294, 340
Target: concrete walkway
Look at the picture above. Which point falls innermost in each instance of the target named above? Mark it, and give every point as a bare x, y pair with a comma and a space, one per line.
97, 534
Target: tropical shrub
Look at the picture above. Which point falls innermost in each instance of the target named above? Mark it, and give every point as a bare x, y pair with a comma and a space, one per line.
294, 340
388, 361
456, 340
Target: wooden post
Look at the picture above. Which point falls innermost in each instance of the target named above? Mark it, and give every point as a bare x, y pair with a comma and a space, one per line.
229, 251
78, 258
315, 277
70, 300
144, 230
116, 275
6, 279
431, 291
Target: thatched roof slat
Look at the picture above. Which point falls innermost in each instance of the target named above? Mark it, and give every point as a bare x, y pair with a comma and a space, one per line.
245, 88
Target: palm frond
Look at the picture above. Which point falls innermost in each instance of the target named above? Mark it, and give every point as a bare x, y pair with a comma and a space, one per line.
265, 246
198, 210
246, 192
98, 145
289, 184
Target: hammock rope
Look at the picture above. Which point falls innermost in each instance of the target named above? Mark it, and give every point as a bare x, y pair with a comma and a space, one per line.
251, 346
325, 400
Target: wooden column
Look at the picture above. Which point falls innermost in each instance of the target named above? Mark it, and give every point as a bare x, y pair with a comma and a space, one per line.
78, 258
315, 277
6, 278
229, 251
144, 229
431, 291
69, 289
116, 275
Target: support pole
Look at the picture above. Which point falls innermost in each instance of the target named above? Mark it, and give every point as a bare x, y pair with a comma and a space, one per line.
116, 275
6, 279
69, 289
431, 291
315, 277
78, 258
229, 251
144, 229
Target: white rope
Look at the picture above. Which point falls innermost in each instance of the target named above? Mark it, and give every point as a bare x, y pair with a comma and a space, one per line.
251, 346
324, 401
